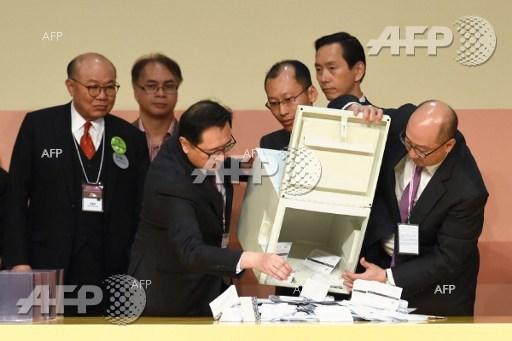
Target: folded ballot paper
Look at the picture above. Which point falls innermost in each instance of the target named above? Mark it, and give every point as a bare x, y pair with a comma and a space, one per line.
375, 301
370, 301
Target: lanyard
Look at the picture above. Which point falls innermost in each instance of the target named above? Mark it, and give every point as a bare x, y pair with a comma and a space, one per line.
101, 162
411, 191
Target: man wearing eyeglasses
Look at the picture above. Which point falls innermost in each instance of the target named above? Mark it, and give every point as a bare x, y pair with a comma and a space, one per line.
155, 80
427, 215
185, 218
76, 181
287, 85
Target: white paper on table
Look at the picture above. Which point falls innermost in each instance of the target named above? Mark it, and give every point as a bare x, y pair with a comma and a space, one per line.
229, 298
333, 313
247, 307
315, 288
376, 294
232, 314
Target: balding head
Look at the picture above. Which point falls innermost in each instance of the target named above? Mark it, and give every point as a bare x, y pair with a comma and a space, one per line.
435, 113
432, 127
92, 84
87, 60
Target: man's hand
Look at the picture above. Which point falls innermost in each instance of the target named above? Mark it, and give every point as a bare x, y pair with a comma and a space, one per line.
369, 112
268, 263
372, 273
21, 268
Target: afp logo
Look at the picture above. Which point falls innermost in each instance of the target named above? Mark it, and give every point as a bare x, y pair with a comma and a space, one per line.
476, 37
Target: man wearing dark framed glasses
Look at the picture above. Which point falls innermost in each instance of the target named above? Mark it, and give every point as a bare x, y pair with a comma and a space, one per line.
155, 80
181, 244
287, 85
76, 181
427, 214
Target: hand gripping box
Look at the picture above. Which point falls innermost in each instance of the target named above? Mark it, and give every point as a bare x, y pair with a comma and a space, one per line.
317, 195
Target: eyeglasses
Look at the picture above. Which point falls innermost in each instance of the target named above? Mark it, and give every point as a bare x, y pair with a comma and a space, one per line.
151, 89
275, 105
223, 150
421, 154
95, 90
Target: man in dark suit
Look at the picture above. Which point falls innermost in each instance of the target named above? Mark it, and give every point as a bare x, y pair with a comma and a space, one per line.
76, 181
340, 66
287, 85
184, 220
427, 214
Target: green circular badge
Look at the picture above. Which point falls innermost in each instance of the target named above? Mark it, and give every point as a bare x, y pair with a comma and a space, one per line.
118, 145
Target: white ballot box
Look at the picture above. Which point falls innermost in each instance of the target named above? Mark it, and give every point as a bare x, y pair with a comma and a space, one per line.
316, 196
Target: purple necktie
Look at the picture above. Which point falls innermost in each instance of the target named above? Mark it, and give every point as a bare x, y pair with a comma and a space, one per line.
405, 205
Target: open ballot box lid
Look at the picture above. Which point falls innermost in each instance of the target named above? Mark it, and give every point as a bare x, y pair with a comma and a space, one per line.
311, 203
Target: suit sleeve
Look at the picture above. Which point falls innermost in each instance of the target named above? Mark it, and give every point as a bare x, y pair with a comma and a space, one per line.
457, 241
17, 198
142, 168
264, 143
185, 237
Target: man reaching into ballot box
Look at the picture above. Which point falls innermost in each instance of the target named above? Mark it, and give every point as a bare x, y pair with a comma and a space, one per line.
427, 214
181, 242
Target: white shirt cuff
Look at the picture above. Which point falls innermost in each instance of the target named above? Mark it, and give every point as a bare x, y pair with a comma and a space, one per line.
238, 266
389, 277
348, 105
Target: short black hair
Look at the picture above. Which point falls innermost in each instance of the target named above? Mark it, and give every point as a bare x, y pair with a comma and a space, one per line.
302, 74
159, 58
352, 50
72, 65
201, 116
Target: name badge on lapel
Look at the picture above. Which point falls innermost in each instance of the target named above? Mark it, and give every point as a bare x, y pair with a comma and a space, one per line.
408, 239
92, 197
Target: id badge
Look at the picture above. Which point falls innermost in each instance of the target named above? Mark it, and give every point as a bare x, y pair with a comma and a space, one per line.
92, 198
408, 239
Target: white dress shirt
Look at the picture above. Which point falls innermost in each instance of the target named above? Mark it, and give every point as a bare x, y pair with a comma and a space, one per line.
77, 127
404, 171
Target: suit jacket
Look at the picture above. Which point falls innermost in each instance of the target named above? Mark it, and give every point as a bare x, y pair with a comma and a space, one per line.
3, 185
41, 198
177, 245
279, 140
449, 213
341, 101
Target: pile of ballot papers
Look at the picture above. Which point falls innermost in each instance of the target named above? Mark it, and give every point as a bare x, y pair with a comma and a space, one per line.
370, 301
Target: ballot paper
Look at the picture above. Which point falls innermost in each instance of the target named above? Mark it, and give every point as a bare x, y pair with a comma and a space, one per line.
283, 249
376, 294
225, 302
333, 313
315, 288
321, 262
